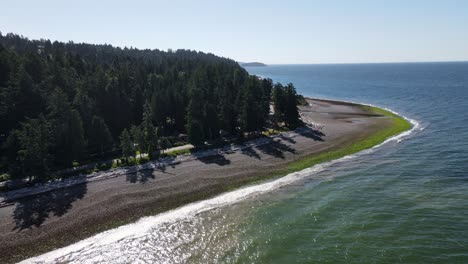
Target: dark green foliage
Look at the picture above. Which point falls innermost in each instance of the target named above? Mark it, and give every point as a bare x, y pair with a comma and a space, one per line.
285, 105
301, 100
195, 132
67, 129
10, 152
20, 98
145, 136
34, 147
87, 95
148, 132
100, 139
291, 114
164, 143
279, 102
126, 144
196, 111
138, 138
254, 104
77, 143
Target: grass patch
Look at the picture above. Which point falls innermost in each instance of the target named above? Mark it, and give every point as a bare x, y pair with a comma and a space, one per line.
398, 126
4, 177
175, 153
180, 143
272, 132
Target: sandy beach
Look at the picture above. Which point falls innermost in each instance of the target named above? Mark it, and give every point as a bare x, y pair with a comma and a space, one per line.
39, 223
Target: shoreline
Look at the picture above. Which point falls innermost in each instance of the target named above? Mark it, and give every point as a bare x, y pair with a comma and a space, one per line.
363, 127
192, 209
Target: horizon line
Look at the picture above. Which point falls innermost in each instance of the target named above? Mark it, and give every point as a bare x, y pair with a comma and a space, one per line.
344, 63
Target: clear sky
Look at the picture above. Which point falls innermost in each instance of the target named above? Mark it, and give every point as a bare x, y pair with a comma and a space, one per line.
286, 31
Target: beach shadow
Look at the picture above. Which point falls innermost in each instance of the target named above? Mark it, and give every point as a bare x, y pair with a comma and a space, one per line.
285, 138
163, 168
168, 162
34, 210
141, 176
311, 133
276, 149
174, 164
171, 162
217, 159
250, 152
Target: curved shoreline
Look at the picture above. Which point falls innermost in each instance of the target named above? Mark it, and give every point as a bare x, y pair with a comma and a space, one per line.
294, 169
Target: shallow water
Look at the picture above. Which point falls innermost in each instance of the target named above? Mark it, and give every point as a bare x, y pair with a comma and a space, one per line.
406, 201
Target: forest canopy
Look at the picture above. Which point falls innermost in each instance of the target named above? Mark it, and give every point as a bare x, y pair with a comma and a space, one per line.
63, 102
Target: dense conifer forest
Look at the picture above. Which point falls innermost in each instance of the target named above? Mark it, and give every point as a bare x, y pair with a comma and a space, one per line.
62, 103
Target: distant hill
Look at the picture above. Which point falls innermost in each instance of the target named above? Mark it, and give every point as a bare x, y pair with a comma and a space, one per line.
252, 64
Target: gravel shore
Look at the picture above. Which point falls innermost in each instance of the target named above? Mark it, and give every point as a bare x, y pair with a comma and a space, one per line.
38, 223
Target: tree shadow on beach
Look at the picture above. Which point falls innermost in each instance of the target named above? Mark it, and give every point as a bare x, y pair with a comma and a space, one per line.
168, 162
217, 158
140, 176
276, 149
311, 133
285, 138
250, 151
34, 210
163, 168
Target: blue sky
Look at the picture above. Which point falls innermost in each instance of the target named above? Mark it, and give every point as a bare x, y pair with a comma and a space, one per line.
347, 31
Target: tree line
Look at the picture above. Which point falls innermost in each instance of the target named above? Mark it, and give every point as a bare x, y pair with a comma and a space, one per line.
65, 102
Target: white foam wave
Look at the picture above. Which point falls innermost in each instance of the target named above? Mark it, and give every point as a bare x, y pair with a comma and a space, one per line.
146, 224
400, 137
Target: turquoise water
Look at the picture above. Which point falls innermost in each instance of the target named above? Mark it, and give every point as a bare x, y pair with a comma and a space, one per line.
405, 202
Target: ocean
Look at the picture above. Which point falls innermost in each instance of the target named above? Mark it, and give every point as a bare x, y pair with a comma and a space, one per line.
405, 201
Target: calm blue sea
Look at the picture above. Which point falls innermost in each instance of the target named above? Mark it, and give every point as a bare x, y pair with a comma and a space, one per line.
405, 202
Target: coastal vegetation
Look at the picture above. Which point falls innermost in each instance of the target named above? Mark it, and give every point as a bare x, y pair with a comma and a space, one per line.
281, 156
377, 135
63, 104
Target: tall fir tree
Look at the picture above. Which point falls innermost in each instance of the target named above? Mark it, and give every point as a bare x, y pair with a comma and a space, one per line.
195, 115
149, 131
100, 138
291, 113
126, 144
34, 150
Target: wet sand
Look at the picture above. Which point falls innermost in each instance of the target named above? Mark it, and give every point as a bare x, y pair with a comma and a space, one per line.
40, 223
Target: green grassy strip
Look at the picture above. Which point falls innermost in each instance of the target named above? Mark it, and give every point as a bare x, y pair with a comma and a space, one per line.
398, 126
175, 153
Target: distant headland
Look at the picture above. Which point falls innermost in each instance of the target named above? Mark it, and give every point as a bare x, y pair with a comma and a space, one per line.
252, 64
